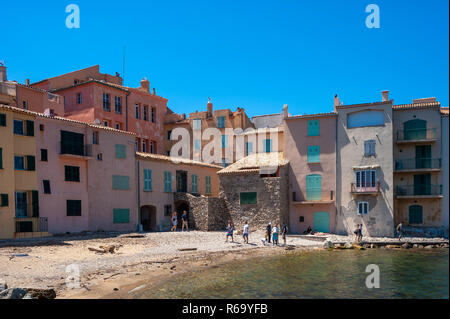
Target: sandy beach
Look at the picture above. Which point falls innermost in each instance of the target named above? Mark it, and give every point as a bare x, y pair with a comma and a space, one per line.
138, 259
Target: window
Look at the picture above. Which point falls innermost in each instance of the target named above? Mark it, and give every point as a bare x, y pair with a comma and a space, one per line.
224, 141
194, 186
224, 162
208, 185
363, 208
314, 154
4, 201
145, 112
167, 182
169, 134
79, 98
44, 155
365, 118
267, 146
136, 145
19, 163
73, 207
72, 173
248, 198
1, 158
197, 124
18, 127
121, 151
153, 115
153, 147
105, 123
248, 148
369, 148
72, 143
144, 145
167, 210
121, 182
366, 178
313, 128
2, 119
100, 157
31, 163
117, 126
21, 204
75, 82
197, 145
415, 214
106, 102
314, 187
137, 111
121, 216
46, 184
221, 122
95, 138
118, 104
147, 180
25, 104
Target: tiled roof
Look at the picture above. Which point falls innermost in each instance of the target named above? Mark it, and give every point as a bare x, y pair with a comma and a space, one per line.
364, 104
32, 113
254, 162
311, 115
416, 106
164, 158
444, 110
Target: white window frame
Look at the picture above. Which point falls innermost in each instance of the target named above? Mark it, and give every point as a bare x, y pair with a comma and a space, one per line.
368, 181
361, 208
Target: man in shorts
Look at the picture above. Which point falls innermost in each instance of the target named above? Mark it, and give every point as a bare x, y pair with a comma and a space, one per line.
246, 231
184, 218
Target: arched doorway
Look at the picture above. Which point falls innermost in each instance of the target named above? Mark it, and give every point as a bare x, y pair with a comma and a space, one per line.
181, 206
148, 218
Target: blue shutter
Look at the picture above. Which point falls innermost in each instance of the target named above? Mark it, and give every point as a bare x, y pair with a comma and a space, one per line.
121, 182
147, 179
248, 148
121, 151
313, 187
313, 128
224, 141
167, 182
121, 216
314, 154
267, 146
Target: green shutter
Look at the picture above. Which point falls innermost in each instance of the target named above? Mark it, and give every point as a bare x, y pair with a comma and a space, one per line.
121, 151
35, 203
167, 182
313, 154
224, 141
121, 182
313, 128
415, 214
208, 185
121, 215
2, 119
313, 187
194, 185
31, 163
248, 198
147, 179
30, 128
267, 146
4, 202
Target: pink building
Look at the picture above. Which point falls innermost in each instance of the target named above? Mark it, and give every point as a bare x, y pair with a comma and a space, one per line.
310, 147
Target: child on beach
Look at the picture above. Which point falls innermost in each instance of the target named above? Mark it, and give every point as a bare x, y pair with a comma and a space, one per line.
275, 235
245, 233
174, 222
230, 231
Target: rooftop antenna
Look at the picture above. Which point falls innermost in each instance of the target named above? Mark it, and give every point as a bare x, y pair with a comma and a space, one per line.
2, 63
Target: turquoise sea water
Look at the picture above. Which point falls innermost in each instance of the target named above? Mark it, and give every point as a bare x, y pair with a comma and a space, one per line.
316, 274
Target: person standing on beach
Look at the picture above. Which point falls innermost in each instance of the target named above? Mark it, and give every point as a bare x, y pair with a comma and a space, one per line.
284, 231
360, 236
246, 231
230, 231
184, 218
400, 230
356, 232
174, 222
275, 235
269, 231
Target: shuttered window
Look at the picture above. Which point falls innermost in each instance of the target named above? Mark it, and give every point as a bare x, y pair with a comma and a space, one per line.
248, 148
121, 151
194, 185
369, 148
30, 128
221, 122
73, 207
167, 182
44, 155
1, 158
313, 128
121, 182
224, 141
313, 187
147, 180
19, 163
2, 119
18, 127
31, 163
35, 203
208, 185
267, 146
121, 215
4, 201
72, 173
314, 154
415, 214
248, 198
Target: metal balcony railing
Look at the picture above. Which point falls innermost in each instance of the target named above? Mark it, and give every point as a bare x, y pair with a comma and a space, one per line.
315, 194
419, 190
31, 224
368, 189
418, 163
69, 148
416, 134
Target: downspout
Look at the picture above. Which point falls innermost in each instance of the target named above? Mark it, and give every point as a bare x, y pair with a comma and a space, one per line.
336, 150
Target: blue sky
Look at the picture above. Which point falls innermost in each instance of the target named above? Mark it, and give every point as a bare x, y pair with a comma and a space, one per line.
253, 54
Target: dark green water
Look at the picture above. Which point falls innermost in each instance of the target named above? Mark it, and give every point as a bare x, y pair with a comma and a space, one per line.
316, 274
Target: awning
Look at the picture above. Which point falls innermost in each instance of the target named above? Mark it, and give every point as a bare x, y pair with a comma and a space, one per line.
374, 166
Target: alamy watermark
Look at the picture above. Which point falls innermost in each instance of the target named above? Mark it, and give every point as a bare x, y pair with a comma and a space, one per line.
73, 19
73, 276
373, 280
373, 19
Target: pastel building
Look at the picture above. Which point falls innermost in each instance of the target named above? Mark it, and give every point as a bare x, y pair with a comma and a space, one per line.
165, 186
20, 215
419, 164
310, 148
364, 166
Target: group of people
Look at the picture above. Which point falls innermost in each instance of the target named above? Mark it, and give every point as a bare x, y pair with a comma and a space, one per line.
184, 219
358, 233
271, 233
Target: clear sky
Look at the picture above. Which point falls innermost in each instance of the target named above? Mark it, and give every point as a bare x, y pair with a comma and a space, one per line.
257, 54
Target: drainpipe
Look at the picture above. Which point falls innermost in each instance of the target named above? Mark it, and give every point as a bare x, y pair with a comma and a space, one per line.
336, 150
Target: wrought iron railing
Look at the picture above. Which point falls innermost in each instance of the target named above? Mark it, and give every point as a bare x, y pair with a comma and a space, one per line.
31, 224
416, 134
418, 163
419, 189
75, 149
359, 189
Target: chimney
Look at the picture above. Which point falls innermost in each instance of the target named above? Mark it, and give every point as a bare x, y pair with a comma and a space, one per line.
384, 96
27, 82
3, 77
209, 108
285, 111
336, 102
154, 91
424, 100
145, 85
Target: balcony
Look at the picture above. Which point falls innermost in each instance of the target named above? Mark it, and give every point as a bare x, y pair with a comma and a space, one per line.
76, 150
315, 196
416, 136
419, 191
31, 227
365, 190
418, 165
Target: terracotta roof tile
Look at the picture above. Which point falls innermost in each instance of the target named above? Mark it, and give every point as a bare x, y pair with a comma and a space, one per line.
159, 157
